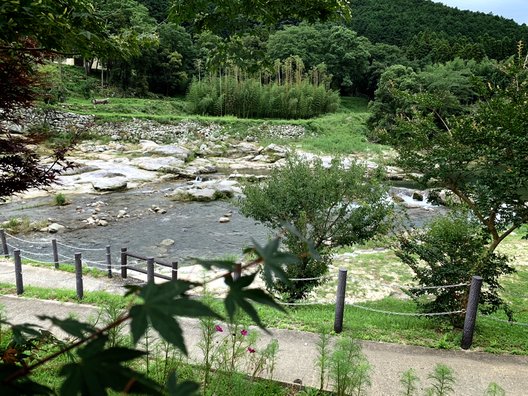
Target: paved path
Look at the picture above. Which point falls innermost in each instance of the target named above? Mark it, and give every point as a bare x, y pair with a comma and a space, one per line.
297, 352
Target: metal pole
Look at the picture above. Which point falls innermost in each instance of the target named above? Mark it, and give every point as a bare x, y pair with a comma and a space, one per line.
471, 312
150, 270
78, 276
4, 243
123, 262
55, 252
174, 270
18, 272
109, 260
340, 300
237, 271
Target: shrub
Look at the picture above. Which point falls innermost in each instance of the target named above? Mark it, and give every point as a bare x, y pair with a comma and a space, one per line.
450, 250
329, 205
60, 199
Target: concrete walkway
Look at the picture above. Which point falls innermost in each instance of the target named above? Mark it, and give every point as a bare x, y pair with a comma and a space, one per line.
297, 351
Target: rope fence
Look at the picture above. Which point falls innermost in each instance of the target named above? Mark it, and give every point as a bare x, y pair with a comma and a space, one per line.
147, 265
510, 322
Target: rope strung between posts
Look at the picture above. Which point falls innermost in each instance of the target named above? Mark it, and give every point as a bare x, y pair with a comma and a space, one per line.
304, 303
26, 241
28, 252
7, 273
37, 261
406, 313
311, 279
81, 248
93, 262
437, 287
375, 310
506, 321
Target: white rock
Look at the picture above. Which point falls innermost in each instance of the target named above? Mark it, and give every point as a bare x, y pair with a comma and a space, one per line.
55, 227
167, 242
224, 219
110, 183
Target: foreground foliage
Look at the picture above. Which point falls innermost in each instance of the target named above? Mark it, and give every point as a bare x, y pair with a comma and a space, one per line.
100, 366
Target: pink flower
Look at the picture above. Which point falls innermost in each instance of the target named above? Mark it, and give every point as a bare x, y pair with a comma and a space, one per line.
219, 328
251, 350
244, 332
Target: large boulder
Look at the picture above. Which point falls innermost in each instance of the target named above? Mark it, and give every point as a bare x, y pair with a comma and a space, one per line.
110, 182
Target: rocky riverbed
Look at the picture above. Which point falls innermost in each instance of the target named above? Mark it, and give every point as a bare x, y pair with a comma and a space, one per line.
164, 190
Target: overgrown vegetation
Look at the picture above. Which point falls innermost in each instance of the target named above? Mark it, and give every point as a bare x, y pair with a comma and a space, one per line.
329, 205
450, 251
290, 93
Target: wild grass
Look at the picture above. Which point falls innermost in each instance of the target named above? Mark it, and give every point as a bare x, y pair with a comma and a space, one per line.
343, 132
22, 225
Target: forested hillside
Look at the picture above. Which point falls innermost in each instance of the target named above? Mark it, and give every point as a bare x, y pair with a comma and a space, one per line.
401, 22
156, 49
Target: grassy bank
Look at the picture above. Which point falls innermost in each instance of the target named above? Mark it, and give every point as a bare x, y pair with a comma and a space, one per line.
343, 132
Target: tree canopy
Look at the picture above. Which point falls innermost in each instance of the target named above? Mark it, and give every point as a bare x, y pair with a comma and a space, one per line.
478, 153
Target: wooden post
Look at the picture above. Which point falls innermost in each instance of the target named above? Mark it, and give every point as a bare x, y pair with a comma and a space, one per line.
109, 261
237, 271
471, 312
4, 243
174, 270
78, 276
150, 270
340, 300
123, 262
18, 272
55, 252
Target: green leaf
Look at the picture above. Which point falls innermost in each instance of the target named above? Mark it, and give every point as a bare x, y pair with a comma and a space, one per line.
71, 326
132, 289
22, 331
161, 304
193, 309
21, 386
99, 369
187, 388
311, 247
222, 264
240, 296
274, 260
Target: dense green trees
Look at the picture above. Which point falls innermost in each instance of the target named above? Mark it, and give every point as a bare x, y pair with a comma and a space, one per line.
399, 22
327, 205
160, 45
469, 138
344, 53
449, 251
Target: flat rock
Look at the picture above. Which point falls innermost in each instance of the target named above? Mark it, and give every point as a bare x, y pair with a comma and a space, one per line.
110, 182
77, 170
163, 164
194, 194
172, 151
